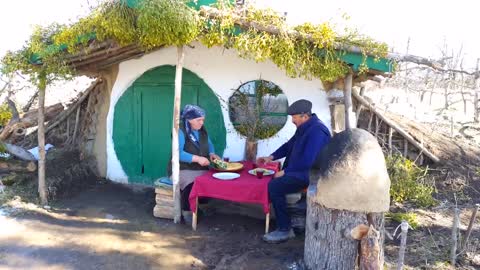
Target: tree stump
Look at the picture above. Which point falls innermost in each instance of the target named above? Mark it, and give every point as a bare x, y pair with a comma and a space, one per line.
328, 244
346, 199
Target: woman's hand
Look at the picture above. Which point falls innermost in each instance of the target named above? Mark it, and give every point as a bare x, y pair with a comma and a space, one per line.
203, 161
213, 156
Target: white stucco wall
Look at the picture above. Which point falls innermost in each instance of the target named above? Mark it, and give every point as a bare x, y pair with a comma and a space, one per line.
223, 71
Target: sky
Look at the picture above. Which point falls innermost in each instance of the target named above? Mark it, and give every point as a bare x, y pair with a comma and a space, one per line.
428, 24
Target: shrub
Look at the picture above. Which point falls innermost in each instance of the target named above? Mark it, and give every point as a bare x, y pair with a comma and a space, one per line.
408, 182
411, 218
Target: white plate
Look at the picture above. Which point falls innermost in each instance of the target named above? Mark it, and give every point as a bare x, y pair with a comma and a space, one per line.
265, 171
226, 175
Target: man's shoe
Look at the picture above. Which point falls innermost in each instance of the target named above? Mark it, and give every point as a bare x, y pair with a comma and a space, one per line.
187, 217
278, 236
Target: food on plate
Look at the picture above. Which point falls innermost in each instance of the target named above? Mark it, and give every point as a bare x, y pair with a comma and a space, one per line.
220, 164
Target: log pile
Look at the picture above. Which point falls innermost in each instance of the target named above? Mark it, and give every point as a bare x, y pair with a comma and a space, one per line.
15, 130
164, 207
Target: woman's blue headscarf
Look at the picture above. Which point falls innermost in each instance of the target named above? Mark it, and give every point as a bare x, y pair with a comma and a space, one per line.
190, 112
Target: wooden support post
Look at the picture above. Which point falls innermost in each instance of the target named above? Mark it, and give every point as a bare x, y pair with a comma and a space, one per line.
403, 244
359, 105
333, 120
42, 184
451, 126
470, 226
370, 121
420, 157
267, 222
195, 215
390, 135
75, 129
377, 126
348, 100
476, 108
176, 121
405, 148
453, 250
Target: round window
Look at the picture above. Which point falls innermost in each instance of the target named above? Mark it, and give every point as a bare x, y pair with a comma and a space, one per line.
258, 109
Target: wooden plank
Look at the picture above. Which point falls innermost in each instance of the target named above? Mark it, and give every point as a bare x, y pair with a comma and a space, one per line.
164, 201
348, 100
164, 191
163, 212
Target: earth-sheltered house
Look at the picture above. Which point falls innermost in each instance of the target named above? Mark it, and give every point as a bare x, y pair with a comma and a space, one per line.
130, 114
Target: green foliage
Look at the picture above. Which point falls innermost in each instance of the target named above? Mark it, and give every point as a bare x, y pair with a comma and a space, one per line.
408, 182
409, 217
156, 23
40, 58
5, 114
166, 23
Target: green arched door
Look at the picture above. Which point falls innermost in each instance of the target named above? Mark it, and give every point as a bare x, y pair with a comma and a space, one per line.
142, 121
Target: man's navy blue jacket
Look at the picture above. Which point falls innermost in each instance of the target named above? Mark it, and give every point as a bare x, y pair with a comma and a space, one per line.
302, 149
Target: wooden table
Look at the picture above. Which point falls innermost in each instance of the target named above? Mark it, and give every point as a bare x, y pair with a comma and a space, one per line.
245, 189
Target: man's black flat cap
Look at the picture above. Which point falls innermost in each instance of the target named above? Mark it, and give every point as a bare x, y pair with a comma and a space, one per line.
301, 106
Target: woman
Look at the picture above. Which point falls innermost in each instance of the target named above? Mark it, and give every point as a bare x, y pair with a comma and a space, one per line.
195, 150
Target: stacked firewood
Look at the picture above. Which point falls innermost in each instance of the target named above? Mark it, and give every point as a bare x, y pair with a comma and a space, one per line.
164, 201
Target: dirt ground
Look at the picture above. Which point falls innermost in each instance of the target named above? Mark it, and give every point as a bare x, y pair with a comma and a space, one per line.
110, 226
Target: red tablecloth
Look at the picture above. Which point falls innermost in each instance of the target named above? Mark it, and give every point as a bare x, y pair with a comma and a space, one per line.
245, 189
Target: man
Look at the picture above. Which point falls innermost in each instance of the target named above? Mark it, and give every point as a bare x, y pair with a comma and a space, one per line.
299, 152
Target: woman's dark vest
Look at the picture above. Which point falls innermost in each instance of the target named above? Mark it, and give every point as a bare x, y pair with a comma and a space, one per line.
192, 148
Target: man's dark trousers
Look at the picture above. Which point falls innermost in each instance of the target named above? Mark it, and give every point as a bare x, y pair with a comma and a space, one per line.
277, 189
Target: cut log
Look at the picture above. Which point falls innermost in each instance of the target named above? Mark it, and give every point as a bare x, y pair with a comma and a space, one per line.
17, 166
19, 152
370, 251
327, 246
30, 119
